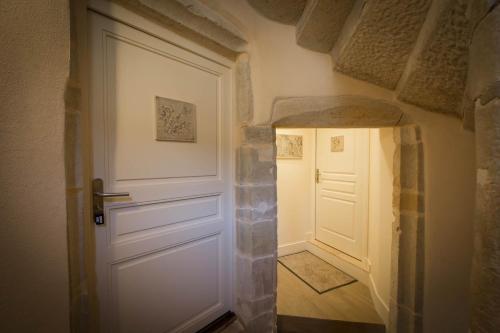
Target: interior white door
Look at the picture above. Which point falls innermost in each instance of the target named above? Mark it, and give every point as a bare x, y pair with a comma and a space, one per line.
342, 162
163, 255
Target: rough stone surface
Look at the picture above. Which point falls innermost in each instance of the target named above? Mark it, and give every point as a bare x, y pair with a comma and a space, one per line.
256, 229
244, 93
486, 260
258, 135
407, 262
484, 69
195, 21
257, 307
435, 76
411, 166
234, 327
261, 213
283, 11
257, 207
255, 196
410, 266
256, 239
411, 201
408, 321
251, 170
334, 111
321, 23
468, 121
256, 276
376, 46
264, 323
408, 135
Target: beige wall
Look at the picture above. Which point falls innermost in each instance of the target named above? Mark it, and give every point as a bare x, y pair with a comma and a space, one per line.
296, 191
381, 216
34, 65
281, 68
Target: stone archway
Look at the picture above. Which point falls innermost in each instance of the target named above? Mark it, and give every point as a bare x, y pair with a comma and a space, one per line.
256, 205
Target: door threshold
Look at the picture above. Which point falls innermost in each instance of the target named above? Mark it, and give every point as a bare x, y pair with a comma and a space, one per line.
363, 264
219, 324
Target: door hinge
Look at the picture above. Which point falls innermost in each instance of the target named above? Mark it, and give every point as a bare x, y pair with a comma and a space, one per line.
317, 176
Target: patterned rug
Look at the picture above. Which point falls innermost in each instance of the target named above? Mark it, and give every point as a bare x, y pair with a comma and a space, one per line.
315, 272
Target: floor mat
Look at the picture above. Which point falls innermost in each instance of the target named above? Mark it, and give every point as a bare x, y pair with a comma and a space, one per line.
315, 272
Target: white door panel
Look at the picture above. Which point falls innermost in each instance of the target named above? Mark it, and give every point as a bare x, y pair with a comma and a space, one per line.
143, 303
163, 254
342, 159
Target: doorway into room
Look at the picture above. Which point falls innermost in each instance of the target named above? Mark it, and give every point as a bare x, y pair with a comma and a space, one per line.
335, 220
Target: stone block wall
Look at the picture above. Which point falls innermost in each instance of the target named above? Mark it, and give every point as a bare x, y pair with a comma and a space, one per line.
486, 260
256, 230
407, 267
483, 89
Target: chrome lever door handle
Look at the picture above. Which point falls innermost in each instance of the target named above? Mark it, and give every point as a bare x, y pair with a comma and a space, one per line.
97, 200
112, 195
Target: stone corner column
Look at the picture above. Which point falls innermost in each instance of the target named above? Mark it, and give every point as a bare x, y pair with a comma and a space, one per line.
486, 259
407, 257
483, 87
256, 230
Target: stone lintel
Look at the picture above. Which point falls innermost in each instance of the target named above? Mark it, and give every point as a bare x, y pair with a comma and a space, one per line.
334, 111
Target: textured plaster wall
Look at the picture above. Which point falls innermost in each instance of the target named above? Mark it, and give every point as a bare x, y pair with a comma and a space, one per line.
295, 185
34, 66
281, 68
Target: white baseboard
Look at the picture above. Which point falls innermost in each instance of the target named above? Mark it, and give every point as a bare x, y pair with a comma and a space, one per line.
380, 305
291, 248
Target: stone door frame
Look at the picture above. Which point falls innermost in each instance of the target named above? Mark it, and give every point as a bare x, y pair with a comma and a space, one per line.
256, 205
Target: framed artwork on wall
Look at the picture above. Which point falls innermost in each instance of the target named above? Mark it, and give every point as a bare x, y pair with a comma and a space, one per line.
289, 146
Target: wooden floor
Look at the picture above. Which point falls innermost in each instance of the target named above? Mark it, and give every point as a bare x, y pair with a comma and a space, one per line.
349, 303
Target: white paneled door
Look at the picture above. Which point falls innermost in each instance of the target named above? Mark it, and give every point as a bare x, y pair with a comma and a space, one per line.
160, 118
342, 162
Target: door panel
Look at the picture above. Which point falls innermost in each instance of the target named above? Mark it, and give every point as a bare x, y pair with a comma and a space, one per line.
131, 139
141, 301
163, 255
342, 159
161, 217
